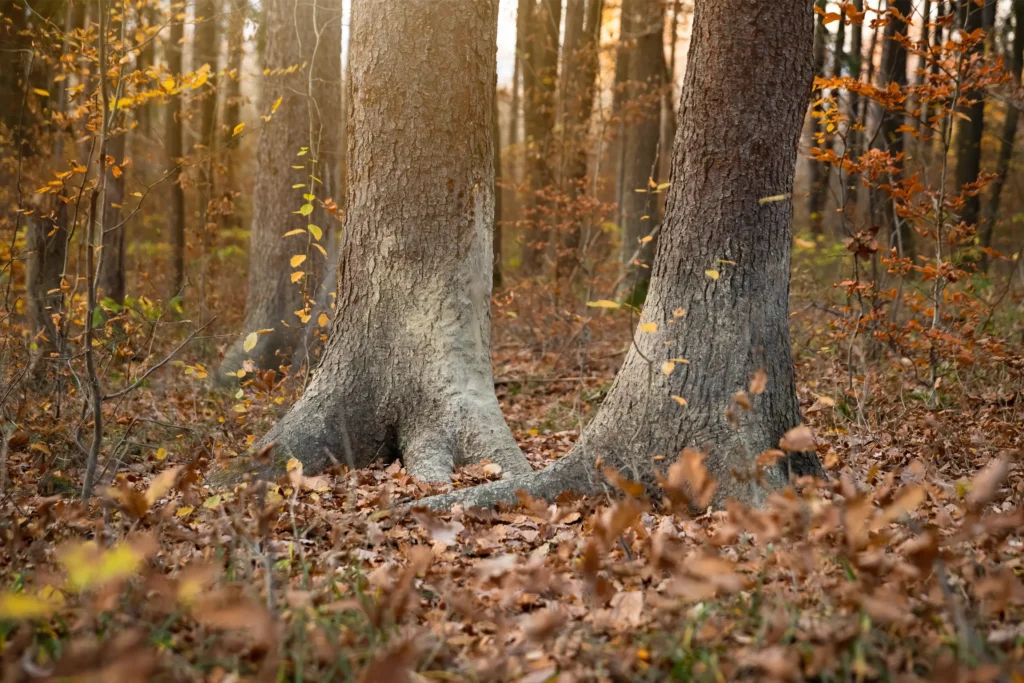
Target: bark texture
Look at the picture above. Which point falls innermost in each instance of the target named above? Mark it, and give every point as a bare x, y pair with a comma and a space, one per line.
407, 370
272, 299
643, 23
743, 58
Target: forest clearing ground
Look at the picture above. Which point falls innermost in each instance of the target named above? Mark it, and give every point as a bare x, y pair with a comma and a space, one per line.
833, 583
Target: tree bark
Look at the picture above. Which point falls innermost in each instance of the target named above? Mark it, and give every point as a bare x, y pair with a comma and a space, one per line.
817, 172
969, 132
175, 151
1008, 136
233, 106
111, 276
643, 23
579, 75
273, 300
856, 117
893, 69
743, 58
407, 370
540, 75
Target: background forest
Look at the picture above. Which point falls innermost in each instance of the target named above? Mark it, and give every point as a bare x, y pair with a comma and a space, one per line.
714, 307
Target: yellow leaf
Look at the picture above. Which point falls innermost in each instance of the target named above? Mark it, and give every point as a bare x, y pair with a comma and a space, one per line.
297, 275
184, 511
305, 210
250, 342
667, 367
602, 303
277, 103
87, 565
320, 249
161, 484
679, 399
200, 80
24, 606
315, 231
322, 320
713, 274
297, 260
804, 244
161, 453
116, 171
649, 327
296, 231
646, 239
773, 198
664, 186
298, 185
41, 92
212, 502
168, 84
238, 129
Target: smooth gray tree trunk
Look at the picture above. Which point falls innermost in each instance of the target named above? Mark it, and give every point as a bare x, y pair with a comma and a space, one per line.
174, 141
407, 370
742, 59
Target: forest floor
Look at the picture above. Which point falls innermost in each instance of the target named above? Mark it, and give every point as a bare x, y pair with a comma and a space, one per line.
905, 565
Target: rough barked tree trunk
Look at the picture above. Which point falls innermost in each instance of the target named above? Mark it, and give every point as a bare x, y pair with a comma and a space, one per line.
893, 69
817, 172
111, 276
272, 299
540, 76
743, 58
174, 149
1008, 136
970, 131
643, 23
407, 370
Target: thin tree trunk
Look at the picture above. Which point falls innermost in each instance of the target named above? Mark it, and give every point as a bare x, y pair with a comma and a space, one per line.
724, 162
1007, 138
539, 115
668, 111
854, 136
175, 151
817, 173
206, 52
273, 300
111, 277
922, 63
893, 69
407, 371
579, 76
644, 21
969, 132
47, 236
233, 106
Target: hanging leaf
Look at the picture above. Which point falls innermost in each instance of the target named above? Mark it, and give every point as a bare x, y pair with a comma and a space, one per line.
250, 342
648, 327
297, 260
305, 209
315, 231
277, 103
238, 129
297, 275
713, 274
602, 303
